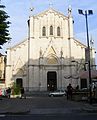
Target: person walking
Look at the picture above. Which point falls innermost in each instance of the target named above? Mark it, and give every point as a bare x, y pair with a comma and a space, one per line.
22, 92
8, 92
69, 91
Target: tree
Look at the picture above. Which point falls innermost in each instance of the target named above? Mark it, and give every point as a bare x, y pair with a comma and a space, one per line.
15, 89
4, 25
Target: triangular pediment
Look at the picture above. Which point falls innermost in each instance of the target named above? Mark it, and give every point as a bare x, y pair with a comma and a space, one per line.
51, 50
51, 10
18, 64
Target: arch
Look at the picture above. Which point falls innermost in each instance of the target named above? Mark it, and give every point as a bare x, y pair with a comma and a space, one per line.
52, 59
58, 31
44, 31
19, 72
51, 30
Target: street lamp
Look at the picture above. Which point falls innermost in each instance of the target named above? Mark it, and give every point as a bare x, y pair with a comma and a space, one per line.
86, 13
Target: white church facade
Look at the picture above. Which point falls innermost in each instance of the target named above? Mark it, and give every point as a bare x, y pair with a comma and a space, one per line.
45, 61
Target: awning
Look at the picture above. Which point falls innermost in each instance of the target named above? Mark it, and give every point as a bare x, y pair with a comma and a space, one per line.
85, 74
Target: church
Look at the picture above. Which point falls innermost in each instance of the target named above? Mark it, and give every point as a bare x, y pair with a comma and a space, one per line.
50, 58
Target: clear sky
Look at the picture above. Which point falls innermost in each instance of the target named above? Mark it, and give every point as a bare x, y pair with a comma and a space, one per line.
19, 11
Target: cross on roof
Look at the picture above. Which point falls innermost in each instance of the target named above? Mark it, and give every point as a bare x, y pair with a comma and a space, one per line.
50, 3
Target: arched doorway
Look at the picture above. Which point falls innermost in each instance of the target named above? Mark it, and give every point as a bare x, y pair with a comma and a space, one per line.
51, 81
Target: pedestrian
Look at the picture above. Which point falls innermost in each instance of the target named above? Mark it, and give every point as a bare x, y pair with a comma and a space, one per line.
69, 91
0, 94
77, 87
22, 92
8, 91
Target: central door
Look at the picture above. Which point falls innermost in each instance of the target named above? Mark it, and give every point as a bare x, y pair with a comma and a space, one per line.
51, 81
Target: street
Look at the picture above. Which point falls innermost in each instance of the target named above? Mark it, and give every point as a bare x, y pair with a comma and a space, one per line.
46, 108
85, 116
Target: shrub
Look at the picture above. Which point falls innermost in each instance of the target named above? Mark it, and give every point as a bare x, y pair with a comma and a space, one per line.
15, 89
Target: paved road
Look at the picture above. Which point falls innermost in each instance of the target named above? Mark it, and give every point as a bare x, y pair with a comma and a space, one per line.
43, 105
39, 105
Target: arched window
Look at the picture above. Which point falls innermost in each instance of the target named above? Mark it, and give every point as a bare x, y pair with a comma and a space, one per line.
44, 31
58, 31
51, 30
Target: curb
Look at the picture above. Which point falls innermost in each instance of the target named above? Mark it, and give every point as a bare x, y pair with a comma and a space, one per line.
49, 112
90, 110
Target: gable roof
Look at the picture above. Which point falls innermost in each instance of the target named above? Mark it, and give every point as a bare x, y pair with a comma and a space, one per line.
78, 42
18, 44
49, 11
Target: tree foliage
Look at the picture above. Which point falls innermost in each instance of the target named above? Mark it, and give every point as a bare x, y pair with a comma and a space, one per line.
15, 89
4, 25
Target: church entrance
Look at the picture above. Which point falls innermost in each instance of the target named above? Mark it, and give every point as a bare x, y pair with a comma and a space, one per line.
19, 82
51, 81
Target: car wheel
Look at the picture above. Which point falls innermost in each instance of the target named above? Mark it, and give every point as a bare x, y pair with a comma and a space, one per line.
52, 95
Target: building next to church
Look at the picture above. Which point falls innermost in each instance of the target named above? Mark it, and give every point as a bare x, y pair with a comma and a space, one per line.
45, 60
2, 70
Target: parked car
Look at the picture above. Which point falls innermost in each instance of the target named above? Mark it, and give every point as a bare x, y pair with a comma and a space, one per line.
57, 93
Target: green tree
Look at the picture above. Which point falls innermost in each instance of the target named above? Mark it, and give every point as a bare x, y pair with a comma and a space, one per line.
4, 25
15, 89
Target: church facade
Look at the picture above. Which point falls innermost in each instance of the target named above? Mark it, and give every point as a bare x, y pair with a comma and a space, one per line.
50, 58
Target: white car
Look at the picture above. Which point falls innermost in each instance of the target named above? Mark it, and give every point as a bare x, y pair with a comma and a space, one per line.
57, 93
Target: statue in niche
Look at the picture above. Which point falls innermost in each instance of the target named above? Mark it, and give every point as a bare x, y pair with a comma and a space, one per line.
61, 52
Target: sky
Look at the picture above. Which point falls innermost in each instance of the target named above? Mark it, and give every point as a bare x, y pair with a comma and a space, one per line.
19, 12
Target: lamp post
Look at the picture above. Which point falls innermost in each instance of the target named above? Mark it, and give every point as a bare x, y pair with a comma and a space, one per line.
86, 13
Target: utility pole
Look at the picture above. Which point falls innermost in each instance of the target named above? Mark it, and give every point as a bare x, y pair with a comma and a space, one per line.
86, 13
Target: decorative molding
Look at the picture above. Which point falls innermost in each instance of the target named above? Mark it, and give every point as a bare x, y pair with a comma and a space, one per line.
50, 10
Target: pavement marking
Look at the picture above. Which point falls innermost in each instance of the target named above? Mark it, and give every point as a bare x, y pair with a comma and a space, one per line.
2, 115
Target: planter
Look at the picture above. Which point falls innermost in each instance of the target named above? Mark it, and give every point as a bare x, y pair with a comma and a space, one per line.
15, 96
78, 96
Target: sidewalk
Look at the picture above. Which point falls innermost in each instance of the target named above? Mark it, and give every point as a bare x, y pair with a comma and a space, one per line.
12, 106
29, 106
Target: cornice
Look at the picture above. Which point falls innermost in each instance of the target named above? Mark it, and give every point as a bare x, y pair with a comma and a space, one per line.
18, 45
79, 43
